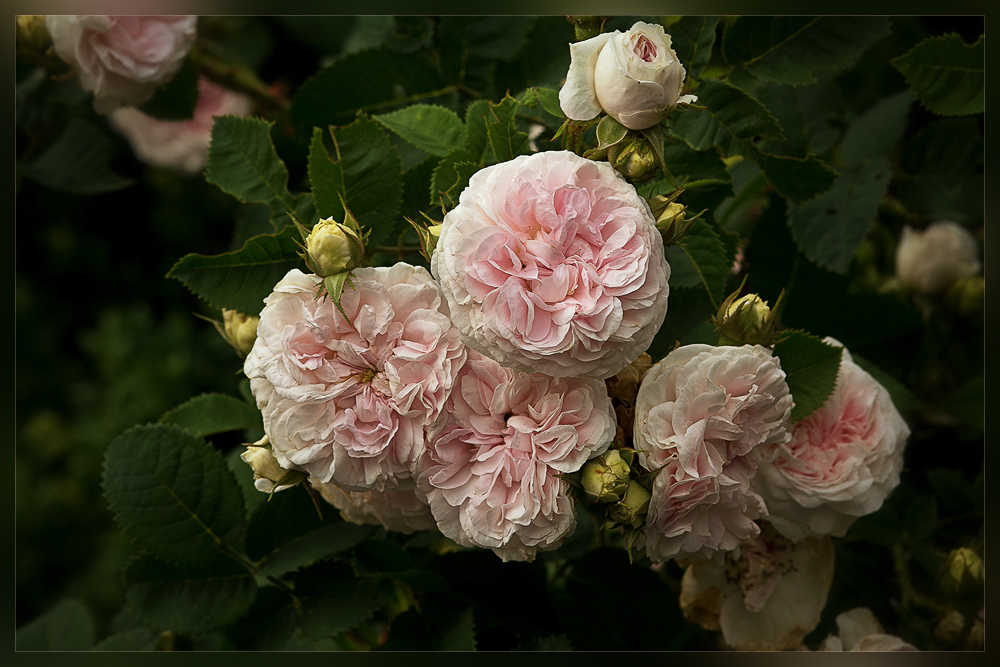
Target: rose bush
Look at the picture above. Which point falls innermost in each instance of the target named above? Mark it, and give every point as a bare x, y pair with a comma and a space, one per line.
634, 77
179, 145
122, 59
490, 470
552, 263
347, 400
841, 462
929, 261
699, 414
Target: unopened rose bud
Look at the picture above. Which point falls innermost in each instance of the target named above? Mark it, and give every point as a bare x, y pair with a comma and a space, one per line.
632, 509
240, 330
930, 261
634, 158
605, 479
746, 320
32, 35
751, 308
963, 573
671, 217
268, 475
428, 237
333, 248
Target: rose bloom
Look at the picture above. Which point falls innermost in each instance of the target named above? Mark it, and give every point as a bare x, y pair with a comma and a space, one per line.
179, 145
348, 400
552, 263
841, 462
699, 414
491, 470
930, 261
122, 59
767, 598
633, 76
859, 630
396, 509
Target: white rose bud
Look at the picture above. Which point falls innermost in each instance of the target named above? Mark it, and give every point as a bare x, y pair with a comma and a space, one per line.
267, 473
240, 329
633, 76
931, 260
333, 248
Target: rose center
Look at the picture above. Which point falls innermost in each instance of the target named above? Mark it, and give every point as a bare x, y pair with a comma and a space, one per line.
645, 49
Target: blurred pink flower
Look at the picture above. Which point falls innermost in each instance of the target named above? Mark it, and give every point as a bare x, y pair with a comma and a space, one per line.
179, 145
348, 402
490, 470
122, 59
552, 263
397, 509
699, 414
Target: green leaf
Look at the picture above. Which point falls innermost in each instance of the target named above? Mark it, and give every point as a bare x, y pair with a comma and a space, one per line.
381, 558
968, 403
877, 131
333, 600
450, 178
67, 626
830, 227
947, 75
730, 123
243, 162
172, 493
921, 517
177, 99
461, 634
430, 128
477, 138
244, 477
692, 39
129, 640
787, 49
415, 192
314, 546
506, 140
948, 146
707, 253
806, 114
810, 367
884, 527
549, 99
364, 81
284, 516
797, 179
209, 414
241, 280
186, 602
365, 168
79, 162
610, 132
954, 491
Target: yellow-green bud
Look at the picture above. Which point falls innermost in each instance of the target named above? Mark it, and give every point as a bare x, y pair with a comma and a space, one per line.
968, 294
32, 35
268, 475
746, 320
333, 248
634, 158
631, 510
240, 329
963, 573
751, 309
605, 479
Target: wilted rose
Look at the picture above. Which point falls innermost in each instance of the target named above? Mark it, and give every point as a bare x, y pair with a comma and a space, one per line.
552, 263
347, 400
179, 145
929, 261
841, 462
122, 59
633, 76
491, 469
699, 414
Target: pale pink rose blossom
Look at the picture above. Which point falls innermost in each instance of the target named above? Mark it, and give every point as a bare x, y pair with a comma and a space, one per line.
859, 630
348, 401
699, 414
841, 462
552, 263
180, 145
490, 471
931, 260
122, 59
397, 509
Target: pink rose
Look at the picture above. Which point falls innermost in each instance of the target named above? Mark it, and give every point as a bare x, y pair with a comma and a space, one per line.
699, 414
396, 509
180, 145
348, 401
122, 59
490, 470
552, 263
841, 463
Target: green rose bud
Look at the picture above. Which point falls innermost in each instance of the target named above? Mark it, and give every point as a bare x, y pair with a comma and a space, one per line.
963, 573
746, 320
632, 509
240, 330
333, 248
605, 479
634, 158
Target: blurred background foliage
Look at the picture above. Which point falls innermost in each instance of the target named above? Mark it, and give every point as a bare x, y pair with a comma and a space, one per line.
105, 341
